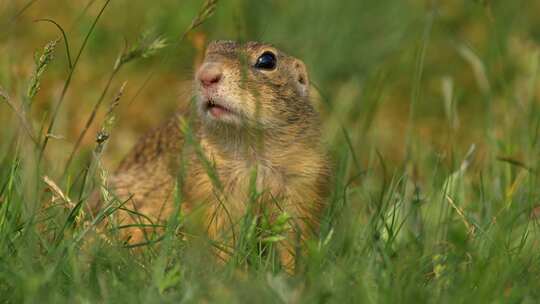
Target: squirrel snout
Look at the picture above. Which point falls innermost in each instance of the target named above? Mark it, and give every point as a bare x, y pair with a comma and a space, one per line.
210, 74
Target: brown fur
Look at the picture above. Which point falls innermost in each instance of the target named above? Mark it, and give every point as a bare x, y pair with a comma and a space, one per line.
278, 136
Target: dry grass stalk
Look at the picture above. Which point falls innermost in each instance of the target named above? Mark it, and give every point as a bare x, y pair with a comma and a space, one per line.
55, 189
207, 10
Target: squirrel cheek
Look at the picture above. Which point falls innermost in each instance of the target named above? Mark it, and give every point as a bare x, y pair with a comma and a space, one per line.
303, 90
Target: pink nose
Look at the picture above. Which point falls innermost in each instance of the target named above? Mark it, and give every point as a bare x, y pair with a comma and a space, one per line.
210, 74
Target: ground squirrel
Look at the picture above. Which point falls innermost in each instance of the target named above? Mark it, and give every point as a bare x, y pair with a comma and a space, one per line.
251, 113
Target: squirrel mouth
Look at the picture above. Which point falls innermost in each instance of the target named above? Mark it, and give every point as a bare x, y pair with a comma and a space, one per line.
217, 110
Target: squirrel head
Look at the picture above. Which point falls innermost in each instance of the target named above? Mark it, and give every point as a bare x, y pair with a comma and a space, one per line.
252, 84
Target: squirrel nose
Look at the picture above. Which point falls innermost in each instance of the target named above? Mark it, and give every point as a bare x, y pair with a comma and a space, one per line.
210, 74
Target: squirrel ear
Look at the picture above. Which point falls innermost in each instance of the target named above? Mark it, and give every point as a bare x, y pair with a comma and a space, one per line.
301, 77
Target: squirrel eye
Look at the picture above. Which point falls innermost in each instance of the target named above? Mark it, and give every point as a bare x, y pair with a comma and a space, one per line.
267, 61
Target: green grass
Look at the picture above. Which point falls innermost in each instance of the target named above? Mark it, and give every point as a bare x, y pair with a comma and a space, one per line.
431, 113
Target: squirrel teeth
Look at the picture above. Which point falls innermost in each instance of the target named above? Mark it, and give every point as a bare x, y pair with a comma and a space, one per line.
217, 110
